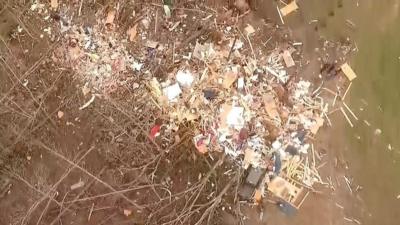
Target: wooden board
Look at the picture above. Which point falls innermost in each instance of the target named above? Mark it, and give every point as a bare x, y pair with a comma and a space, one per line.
348, 71
289, 8
249, 30
287, 57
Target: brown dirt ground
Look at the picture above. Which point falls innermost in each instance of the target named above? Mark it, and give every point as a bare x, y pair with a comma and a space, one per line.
38, 149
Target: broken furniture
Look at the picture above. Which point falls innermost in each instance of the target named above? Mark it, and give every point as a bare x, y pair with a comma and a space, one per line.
286, 191
253, 179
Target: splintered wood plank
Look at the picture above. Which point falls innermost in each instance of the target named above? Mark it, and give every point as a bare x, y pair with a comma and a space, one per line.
289, 8
348, 71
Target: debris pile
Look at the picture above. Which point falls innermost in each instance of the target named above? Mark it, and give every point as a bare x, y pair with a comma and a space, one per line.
246, 104
252, 109
100, 58
98, 55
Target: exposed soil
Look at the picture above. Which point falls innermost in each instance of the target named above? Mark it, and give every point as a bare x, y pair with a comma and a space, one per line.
129, 178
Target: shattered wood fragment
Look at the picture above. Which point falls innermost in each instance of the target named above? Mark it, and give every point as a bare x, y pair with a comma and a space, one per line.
270, 106
183, 114
348, 71
350, 111
75, 53
60, 114
77, 185
289, 8
54, 4
190, 116
346, 117
174, 26
155, 87
132, 32
151, 44
197, 52
280, 14
249, 156
88, 103
167, 11
318, 124
229, 79
367, 123
110, 17
287, 57
85, 90
345, 93
203, 51
258, 196
127, 212
249, 30
351, 24
145, 22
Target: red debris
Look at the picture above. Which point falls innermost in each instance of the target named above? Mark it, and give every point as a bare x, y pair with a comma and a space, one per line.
154, 131
201, 146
